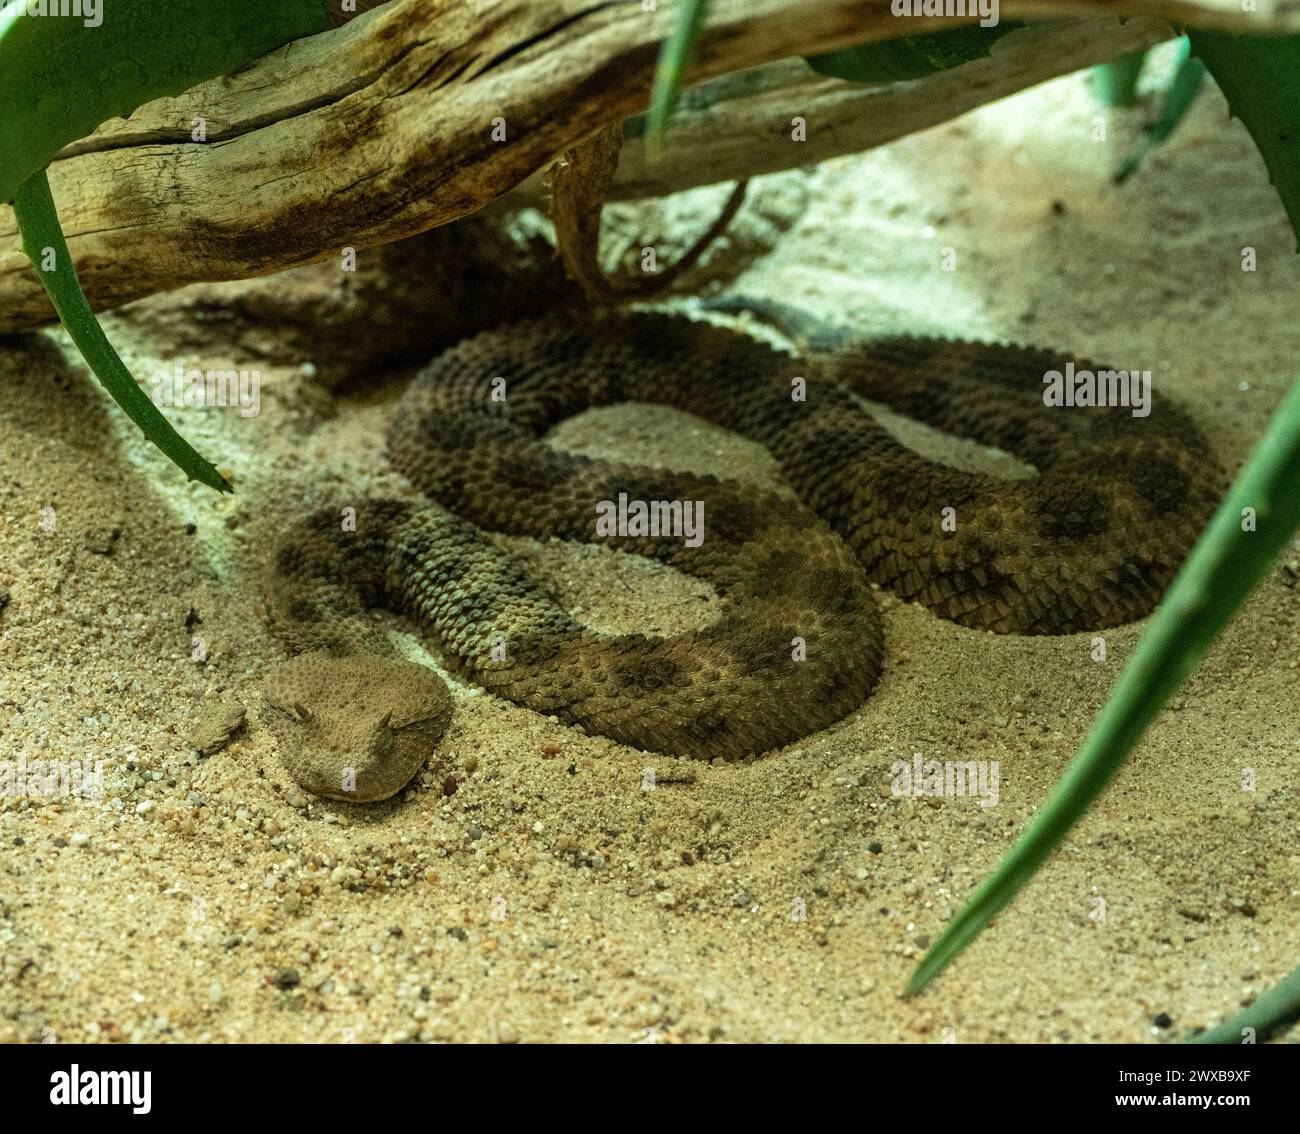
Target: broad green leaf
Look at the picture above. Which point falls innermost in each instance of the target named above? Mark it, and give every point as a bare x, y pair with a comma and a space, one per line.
1260, 77
59, 79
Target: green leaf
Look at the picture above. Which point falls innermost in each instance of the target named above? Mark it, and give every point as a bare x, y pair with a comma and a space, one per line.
1116, 82
44, 244
1183, 89
911, 57
1269, 1011
1260, 78
674, 58
1220, 572
59, 79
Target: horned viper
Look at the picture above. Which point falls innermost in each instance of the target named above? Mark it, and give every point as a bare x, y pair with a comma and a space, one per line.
1091, 542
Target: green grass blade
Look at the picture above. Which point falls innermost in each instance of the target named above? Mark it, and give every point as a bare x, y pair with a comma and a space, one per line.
1183, 89
1220, 572
38, 221
674, 58
1269, 1011
1116, 82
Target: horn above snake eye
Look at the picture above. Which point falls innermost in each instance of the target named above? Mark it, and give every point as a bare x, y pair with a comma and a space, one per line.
386, 720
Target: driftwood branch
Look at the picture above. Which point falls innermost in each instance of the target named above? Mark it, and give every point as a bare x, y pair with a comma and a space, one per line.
424, 111
739, 125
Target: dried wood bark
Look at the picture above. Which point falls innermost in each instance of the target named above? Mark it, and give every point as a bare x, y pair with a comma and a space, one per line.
423, 111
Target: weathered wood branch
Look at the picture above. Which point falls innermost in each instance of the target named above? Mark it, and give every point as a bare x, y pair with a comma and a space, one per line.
739, 125
385, 127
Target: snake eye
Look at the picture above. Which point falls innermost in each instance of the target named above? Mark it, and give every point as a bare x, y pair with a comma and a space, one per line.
303, 713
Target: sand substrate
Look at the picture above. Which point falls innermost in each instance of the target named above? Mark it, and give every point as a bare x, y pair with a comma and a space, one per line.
538, 884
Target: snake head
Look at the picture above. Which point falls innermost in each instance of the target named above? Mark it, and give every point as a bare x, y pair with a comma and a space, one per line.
354, 728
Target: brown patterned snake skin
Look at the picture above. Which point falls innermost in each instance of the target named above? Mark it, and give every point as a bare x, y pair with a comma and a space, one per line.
1090, 543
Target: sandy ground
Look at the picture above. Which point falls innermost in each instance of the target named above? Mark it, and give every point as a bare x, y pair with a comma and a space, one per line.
553, 896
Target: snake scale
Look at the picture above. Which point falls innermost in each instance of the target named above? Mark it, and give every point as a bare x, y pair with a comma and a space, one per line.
1091, 542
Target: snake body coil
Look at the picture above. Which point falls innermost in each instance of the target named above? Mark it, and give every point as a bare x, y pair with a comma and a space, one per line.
1091, 542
